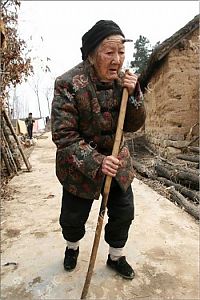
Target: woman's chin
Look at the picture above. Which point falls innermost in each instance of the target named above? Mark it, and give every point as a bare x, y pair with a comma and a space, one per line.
112, 77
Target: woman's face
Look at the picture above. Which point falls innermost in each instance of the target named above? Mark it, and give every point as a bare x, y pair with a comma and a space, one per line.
108, 58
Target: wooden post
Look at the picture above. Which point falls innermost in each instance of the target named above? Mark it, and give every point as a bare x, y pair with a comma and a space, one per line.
106, 191
8, 167
10, 156
17, 140
10, 145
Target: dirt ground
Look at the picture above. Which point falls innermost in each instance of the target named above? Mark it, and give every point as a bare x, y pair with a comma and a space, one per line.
163, 245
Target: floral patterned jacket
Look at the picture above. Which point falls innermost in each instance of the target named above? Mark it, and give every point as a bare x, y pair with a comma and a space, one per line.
84, 120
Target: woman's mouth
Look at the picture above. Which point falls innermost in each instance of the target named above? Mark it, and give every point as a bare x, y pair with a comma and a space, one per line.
113, 70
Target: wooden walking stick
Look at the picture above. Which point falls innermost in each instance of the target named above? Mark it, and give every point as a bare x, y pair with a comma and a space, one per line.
106, 191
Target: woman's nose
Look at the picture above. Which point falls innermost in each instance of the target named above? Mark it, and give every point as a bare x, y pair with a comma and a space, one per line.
116, 59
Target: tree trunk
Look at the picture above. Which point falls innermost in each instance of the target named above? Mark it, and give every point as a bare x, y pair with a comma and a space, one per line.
189, 207
9, 154
194, 158
16, 139
194, 149
6, 161
185, 177
143, 170
11, 146
194, 196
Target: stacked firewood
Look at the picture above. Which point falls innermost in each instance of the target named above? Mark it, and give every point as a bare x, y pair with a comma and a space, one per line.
180, 175
12, 153
183, 181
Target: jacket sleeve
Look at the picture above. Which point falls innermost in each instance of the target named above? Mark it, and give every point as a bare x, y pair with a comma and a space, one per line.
71, 147
135, 112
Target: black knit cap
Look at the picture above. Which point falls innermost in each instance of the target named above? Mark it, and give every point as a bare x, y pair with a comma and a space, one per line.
92, 38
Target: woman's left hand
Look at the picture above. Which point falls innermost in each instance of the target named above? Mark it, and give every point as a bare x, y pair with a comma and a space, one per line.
130, 80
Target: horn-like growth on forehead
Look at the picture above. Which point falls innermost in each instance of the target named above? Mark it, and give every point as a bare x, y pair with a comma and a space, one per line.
116, 39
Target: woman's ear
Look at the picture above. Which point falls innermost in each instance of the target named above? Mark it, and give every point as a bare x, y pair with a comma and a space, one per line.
91, 58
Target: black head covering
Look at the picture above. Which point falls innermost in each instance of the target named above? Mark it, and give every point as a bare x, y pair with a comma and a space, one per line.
92, 38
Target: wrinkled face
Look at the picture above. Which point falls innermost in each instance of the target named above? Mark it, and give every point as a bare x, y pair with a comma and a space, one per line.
108, 58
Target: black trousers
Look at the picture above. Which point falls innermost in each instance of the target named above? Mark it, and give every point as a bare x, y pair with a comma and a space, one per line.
30, 131
120, 207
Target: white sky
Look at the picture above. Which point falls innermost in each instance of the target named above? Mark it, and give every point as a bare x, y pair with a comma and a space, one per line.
61, 25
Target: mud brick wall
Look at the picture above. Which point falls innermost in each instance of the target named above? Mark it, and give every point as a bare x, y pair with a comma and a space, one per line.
172, 97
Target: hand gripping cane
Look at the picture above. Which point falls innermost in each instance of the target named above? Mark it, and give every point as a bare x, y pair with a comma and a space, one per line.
106, 191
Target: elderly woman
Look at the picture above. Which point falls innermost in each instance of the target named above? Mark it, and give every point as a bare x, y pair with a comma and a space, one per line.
85, 112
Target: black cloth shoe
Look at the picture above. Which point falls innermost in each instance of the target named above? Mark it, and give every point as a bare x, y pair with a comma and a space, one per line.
70, 259
121, 266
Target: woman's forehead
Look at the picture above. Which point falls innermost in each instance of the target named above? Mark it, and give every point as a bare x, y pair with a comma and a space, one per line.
117, 39
112, 42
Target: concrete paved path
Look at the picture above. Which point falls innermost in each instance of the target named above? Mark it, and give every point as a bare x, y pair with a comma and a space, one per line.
163, 244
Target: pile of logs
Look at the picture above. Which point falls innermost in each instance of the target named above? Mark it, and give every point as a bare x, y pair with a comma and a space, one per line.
185, 183
180, 176
12, 153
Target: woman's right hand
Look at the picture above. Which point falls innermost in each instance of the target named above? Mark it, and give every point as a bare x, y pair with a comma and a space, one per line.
110, 165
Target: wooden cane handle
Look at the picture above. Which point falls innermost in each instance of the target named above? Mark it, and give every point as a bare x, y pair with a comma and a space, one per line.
120, 124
